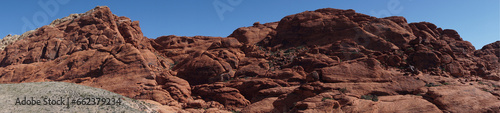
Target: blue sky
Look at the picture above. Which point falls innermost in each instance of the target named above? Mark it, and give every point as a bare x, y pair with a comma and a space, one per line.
477, 22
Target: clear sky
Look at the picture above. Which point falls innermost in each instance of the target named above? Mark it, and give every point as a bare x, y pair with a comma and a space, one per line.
476, 21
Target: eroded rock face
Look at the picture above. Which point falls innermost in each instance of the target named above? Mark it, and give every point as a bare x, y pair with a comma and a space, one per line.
489, 64
96, 49
328, 60
362, 71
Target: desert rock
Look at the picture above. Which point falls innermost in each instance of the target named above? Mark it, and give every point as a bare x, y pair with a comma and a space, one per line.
327, 60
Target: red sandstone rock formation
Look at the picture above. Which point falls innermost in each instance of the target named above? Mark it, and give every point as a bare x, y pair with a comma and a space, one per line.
328, 60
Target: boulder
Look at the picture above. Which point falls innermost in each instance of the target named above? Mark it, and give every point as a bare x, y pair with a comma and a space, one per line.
231, 98
256, 33
397, 103
463, 99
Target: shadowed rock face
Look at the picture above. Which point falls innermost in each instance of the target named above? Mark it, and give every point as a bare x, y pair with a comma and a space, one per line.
328, 60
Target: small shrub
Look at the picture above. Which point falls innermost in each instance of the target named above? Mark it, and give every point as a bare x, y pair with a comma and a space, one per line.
272, 53
228, 79
431, 85
233, 111
401, 67
271, 65
325, 98
260, 47
446, 83
286, 54
487, 90
173, 64
482, 83
370, 97
300, 47
290, 51
343, 90
442, 68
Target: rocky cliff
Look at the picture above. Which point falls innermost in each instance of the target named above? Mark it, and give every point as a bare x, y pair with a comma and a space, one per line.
328, 60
